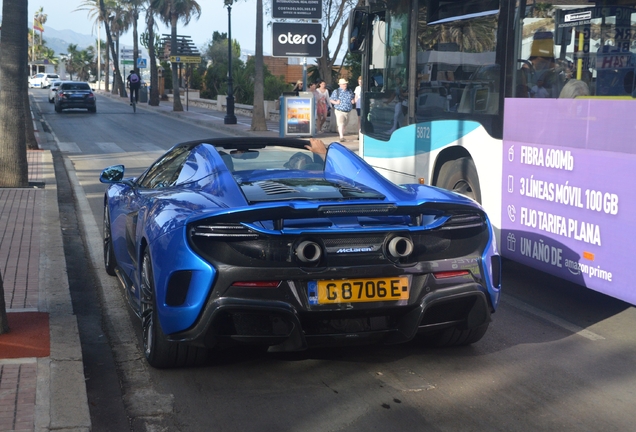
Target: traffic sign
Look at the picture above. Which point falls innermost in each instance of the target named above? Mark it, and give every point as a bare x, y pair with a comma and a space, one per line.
185, 59
141, 63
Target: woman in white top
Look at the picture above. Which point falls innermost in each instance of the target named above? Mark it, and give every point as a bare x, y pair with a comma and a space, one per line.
321, 94
358, 99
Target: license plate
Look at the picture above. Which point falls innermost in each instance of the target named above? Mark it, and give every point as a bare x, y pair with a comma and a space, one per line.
358, 290
77, 96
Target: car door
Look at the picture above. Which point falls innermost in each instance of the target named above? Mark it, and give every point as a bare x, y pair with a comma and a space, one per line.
134, 209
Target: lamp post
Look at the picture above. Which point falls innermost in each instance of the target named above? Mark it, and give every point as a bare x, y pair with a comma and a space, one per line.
230, 118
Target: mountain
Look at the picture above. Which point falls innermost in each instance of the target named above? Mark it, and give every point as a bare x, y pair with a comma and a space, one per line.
59, 40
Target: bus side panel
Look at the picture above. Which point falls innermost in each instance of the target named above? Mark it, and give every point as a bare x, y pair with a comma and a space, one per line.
566, 210
401, 163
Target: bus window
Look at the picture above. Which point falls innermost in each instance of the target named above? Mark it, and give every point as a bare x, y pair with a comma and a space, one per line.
456, 62
386, 100
566, 52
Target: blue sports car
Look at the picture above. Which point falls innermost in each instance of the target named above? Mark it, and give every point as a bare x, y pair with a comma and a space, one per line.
287, 244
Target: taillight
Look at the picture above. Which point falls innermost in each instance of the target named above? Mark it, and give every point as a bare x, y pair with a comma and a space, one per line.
91, 96
450, 274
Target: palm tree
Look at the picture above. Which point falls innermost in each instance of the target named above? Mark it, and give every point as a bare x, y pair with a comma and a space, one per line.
150, 46
98, 16
13, 95
41, 17
131, 17
258, 115
171, 11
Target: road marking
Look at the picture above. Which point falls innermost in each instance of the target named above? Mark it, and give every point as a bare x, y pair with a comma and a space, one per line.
148, 147
68, 147
109, 147
551, 318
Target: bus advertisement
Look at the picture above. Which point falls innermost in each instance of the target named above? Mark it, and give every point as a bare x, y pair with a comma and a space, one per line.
528, 108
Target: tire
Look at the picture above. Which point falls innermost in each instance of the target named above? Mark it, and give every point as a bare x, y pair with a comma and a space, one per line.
92, 110
110, 263
460, 175
158, 350
58, 109
51, 100
454, 336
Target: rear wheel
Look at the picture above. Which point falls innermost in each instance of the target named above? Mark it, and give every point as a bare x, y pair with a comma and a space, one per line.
58, 109
455, 336
460, 175
109, 253
158, 350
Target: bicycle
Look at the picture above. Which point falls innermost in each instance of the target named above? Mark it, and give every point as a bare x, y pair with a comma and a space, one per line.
134, 105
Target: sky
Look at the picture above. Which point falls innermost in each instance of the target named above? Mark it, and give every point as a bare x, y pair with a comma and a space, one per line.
214, 17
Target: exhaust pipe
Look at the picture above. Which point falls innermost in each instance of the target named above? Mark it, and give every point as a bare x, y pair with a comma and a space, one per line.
400, 247
308, 252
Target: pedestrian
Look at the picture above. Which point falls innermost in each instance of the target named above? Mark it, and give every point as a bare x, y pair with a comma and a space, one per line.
342, 101
298, 87
321, 95
358, 101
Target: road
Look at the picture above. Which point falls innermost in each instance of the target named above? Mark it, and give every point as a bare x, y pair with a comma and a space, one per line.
557, 356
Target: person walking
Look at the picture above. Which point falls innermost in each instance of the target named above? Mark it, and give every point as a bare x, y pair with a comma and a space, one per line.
358, 101
321, 95
342, 101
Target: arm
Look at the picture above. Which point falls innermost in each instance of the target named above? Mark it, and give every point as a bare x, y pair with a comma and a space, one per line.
318, 147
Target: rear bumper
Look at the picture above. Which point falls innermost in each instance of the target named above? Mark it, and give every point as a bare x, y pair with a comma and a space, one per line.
78, 104
283, 327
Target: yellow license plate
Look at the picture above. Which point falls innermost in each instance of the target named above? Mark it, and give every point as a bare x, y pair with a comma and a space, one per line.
359, 290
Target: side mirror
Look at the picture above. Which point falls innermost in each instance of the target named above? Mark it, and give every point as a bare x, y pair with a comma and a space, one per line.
358, 25
113, 174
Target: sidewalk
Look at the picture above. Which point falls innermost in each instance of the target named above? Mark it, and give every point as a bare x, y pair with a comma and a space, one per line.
42, 383
41, 372
215, 120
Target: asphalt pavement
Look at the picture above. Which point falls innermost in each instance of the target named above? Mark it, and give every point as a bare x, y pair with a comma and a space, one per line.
42, 381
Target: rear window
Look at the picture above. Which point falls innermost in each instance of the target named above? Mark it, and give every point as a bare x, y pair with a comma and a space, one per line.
53, 76
270, 158
75, 86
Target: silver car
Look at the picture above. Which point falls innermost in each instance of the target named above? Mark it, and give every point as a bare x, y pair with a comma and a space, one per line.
53, 90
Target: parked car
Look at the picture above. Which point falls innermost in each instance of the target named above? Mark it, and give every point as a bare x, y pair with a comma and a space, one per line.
259, 240
75, 94
42, 80
53, 90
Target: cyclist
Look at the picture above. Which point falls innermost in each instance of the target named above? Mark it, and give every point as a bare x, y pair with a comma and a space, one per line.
134, 82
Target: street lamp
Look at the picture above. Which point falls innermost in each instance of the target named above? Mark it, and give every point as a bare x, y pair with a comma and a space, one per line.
230, 118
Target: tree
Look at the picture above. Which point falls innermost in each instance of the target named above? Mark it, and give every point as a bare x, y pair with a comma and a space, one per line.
132, 16
258, 114
171, 11
39, 20
335, 15
99, 14
215, 78
13, 87
152, 42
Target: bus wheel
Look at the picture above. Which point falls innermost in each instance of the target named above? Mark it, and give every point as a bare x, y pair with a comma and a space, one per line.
460, 175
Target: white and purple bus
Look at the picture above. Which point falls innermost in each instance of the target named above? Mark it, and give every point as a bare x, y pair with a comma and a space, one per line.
528, 108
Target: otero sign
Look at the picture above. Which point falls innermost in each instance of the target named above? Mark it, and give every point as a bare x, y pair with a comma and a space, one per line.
297, 40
